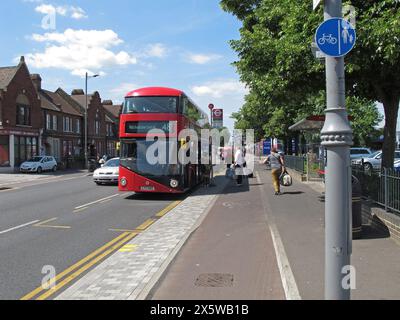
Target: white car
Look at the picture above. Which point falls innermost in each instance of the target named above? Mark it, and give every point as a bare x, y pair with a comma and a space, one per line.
108, 173
374, 161
39, 164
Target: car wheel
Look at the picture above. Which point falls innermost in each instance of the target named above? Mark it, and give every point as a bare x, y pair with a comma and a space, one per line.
368, 167
54, 168
39, 170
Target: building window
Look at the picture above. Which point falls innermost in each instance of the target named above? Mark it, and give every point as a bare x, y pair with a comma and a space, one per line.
55, 123
23, 115
109, 130
67, 124
97, 127
48, 122
67, 148
4, 151
78, 126
25, 148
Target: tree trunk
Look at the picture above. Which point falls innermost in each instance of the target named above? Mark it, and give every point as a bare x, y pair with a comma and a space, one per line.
391, 106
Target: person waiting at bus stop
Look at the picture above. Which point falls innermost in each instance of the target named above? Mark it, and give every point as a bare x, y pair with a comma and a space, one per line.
277, 167
238, 165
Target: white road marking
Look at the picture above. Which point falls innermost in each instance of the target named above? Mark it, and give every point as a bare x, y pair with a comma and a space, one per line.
19, 227
287, 277
97, 201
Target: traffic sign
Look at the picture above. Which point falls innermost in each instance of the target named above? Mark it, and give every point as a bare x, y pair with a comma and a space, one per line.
335, 37
316, 3
218, 114
210, 106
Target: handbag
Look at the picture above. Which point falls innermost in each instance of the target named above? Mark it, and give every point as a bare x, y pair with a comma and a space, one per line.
285, 179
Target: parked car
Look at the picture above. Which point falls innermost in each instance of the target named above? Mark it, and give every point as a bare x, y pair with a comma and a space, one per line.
374, 161
108, 173
356, 153
39, 164
397, 166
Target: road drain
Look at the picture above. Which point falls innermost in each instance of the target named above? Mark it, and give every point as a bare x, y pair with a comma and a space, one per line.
214, 280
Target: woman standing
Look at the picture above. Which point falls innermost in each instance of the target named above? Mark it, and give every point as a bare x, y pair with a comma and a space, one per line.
277, 167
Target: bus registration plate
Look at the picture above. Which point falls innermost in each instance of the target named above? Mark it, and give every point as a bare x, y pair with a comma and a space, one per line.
147, 188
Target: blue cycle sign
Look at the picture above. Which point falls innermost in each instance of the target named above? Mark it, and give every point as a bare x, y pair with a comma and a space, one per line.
335, 37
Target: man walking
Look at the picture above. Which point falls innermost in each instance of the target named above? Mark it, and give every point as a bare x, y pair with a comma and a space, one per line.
277, 167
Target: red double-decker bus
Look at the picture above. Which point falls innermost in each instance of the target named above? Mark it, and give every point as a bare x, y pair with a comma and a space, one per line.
171, 111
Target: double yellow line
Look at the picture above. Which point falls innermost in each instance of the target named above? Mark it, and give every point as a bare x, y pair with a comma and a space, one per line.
68, 275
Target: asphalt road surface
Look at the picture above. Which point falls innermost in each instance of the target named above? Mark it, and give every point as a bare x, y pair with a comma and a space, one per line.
63, 222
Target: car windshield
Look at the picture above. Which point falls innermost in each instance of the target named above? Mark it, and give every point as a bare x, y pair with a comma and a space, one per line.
35, 159
112, 163
374, 154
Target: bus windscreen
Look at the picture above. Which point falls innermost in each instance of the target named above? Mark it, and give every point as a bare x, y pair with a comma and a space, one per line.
150, 105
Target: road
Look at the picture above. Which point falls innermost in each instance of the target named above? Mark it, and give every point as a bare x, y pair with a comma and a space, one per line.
60, 221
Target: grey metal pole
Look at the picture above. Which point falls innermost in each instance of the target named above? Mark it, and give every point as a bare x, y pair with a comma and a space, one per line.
86, 121
337, 137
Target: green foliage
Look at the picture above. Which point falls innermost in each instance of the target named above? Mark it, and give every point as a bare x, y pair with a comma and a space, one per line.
287, 83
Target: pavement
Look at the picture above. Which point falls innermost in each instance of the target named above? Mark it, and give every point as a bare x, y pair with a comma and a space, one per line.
230, 241
218, 243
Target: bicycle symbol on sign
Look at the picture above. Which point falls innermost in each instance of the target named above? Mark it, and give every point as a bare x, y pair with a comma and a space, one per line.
328, 39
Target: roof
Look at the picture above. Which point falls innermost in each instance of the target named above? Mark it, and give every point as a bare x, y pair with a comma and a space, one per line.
311, 123
61, 103
6, 75
155, 91
47, 103
114, 110
81, 99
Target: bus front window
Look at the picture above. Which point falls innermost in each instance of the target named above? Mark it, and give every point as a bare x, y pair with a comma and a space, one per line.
150, 105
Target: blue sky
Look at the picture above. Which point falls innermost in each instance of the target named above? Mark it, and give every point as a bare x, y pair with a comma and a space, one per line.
175, 43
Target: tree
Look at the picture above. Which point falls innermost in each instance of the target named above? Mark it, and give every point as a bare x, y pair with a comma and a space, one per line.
275, 60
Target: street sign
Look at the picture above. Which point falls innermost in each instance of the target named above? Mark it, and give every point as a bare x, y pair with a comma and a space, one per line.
210, 106
218, 114
335, 37
318, 54
316, 3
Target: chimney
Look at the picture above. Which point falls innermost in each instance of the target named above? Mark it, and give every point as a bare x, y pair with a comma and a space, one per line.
77, 92
107, 102
22, 60
37, 81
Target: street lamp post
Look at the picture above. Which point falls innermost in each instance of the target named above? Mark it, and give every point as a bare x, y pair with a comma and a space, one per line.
337, 138
86, 116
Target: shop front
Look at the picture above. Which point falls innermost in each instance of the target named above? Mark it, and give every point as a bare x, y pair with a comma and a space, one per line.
16, 147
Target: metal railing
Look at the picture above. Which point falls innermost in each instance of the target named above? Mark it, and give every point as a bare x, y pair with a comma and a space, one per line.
296, 163
383, 188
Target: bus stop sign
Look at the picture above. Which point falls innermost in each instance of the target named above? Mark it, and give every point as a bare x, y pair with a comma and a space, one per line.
335, 37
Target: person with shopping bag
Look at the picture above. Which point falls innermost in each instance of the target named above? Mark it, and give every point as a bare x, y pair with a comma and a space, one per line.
277, 168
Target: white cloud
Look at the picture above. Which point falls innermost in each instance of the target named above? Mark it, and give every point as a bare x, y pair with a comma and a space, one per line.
118, 94
157, 50
220, 88
80, 51
202, 58
73, 12
78, 13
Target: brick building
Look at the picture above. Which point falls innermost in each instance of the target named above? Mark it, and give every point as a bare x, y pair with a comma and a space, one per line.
62, 126
35, 121
21, 119
112, 127
96, 121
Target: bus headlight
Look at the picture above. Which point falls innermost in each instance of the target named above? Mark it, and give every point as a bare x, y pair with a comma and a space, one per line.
174, 183
123, 182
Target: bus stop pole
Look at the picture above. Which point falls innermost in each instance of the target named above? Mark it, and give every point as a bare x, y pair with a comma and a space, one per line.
336, 137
